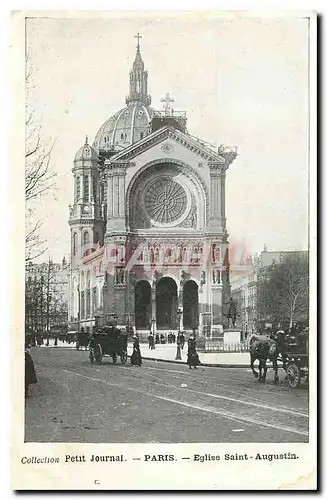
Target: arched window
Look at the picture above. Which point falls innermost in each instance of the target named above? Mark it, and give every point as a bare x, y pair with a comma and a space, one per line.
78, 187
86, 238
86, 188
122, 137
74, 243
141, 135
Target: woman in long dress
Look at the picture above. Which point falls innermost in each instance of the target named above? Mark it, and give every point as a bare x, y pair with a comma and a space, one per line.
30, 374
136, 358
192, 355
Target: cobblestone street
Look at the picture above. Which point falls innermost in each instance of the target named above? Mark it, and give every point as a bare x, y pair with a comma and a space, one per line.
75, 401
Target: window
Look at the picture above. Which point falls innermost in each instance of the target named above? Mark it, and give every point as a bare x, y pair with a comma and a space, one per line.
94, 184
141, 135
74, 243
86, 188
78, 187
86, 238
121, 137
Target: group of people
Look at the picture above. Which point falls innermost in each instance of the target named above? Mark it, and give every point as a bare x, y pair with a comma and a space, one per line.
192, 355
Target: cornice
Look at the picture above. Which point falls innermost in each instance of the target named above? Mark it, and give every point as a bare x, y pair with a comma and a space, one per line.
161, 135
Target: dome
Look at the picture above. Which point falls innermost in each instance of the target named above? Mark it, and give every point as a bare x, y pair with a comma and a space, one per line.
128, 125
86, 152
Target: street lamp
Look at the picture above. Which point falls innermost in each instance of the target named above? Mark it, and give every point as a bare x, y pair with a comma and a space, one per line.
178, 353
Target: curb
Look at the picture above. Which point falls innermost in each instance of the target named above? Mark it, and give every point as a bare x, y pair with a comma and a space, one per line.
213, 365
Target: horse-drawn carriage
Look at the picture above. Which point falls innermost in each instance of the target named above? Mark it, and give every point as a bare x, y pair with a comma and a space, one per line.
296, 358
108, 341
82, 340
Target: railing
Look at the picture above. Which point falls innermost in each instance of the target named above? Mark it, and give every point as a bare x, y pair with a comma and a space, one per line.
213, 346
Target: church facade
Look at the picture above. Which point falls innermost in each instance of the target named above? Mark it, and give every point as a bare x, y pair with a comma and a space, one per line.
148, 226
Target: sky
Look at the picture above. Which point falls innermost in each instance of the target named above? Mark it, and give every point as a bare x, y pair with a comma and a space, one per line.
243, 81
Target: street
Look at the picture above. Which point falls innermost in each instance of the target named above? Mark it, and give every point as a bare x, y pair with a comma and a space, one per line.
75, 401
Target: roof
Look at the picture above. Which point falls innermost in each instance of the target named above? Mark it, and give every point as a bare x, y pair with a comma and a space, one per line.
86, 152
125, 127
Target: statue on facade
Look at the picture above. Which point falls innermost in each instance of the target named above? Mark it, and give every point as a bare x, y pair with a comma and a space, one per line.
182, 277
120, 276
216, 277
155, 277
203, 278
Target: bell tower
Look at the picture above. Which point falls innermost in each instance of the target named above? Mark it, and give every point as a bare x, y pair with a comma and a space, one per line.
85, 217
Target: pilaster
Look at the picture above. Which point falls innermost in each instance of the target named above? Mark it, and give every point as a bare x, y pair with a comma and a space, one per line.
217, 197
116, 175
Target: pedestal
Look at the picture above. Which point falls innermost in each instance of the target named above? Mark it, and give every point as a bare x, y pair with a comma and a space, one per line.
232, 336
217, 332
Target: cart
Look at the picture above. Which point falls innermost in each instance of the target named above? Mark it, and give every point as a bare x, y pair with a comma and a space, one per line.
297, 358
108, 341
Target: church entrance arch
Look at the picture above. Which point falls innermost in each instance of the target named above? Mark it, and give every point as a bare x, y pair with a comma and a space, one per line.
142, 305
166, 304
190, 305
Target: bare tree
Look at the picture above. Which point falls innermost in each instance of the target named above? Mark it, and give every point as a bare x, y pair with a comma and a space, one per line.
39, 173
283, 290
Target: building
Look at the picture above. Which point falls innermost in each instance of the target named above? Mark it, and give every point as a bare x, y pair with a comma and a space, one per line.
244, 289
46, 296
148, 224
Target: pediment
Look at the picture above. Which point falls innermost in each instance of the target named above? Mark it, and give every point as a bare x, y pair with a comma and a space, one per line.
168, 136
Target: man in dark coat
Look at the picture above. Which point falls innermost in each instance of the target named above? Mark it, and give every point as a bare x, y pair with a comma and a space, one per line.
30, 374
192, 355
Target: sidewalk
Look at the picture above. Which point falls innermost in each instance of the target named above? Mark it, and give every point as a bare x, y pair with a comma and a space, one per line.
167, 353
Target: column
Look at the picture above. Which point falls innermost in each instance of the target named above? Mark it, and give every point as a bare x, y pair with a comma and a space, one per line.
110, 184
180, 308
153, 307
216, 196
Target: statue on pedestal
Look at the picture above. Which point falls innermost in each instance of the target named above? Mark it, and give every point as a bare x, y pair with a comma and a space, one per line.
203, 278
232, 311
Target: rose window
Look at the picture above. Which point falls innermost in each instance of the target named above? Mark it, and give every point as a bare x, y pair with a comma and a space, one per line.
165, 201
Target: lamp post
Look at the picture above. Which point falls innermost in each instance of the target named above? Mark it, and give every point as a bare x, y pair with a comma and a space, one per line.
178, 353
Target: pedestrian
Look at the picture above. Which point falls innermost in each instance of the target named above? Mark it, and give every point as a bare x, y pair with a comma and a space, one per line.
30, 374
192, 355
151, 341
182, 340
136, 358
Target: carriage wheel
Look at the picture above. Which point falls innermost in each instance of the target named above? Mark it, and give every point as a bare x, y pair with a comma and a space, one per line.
293, 375
98, 354
123, 357
114, 358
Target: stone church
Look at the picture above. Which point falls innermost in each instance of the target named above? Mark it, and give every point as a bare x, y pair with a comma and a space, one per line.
148, 226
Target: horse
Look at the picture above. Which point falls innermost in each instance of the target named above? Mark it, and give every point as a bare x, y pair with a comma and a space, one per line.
263, 348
